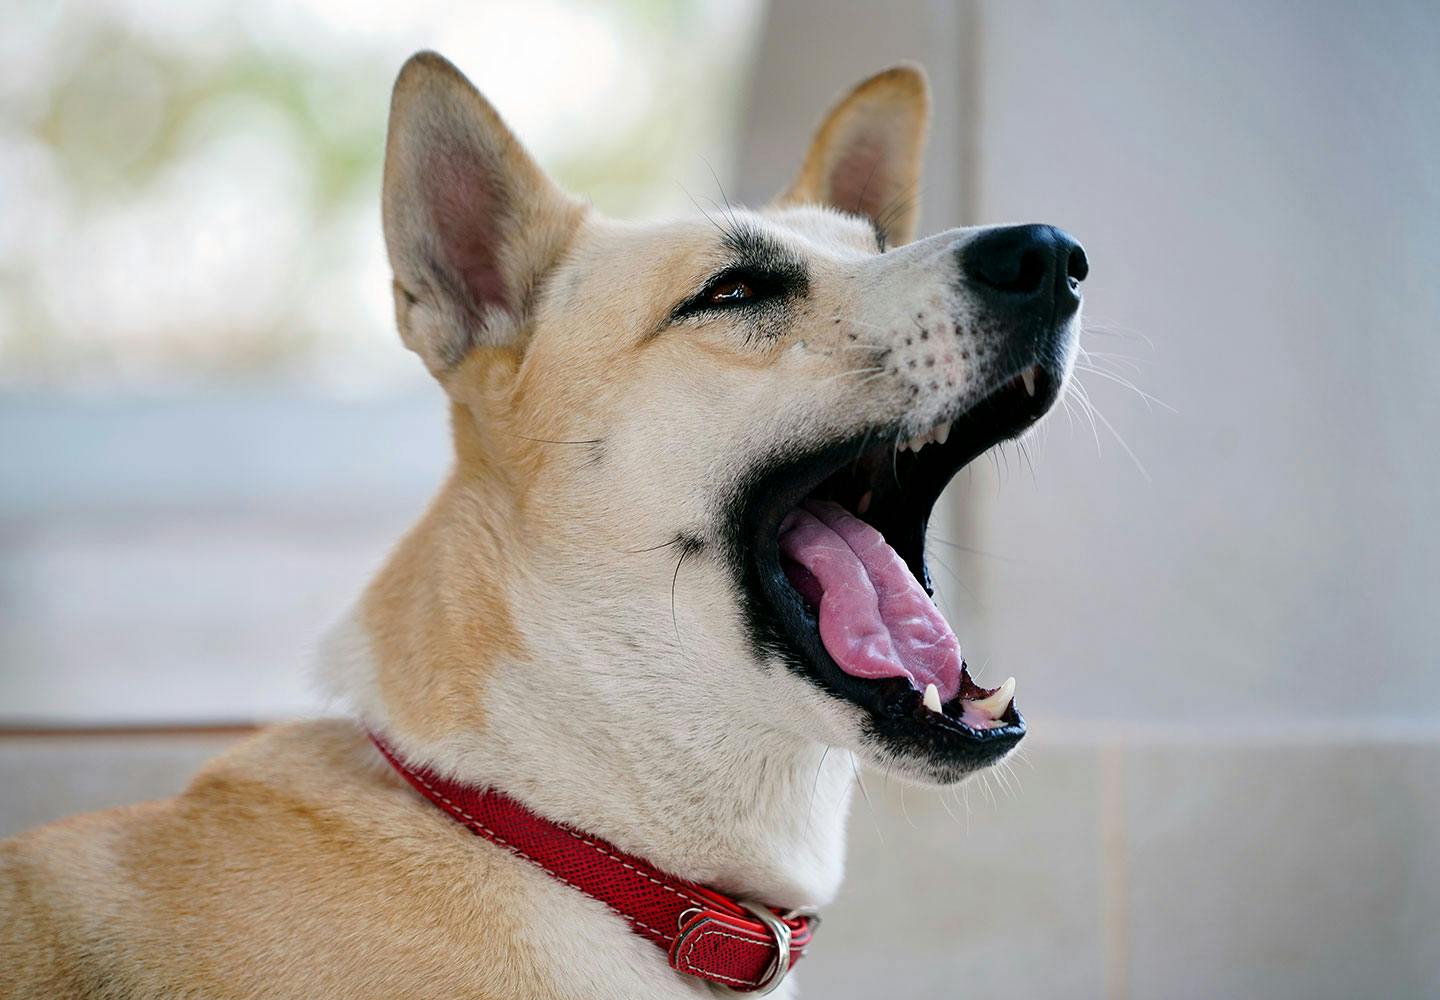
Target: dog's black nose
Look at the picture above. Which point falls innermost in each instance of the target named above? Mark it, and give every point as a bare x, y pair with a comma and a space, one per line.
1033, 268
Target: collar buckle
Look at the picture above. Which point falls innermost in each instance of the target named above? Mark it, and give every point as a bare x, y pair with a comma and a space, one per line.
780, 965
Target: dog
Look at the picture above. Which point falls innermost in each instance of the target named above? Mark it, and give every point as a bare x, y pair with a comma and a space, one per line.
672, 590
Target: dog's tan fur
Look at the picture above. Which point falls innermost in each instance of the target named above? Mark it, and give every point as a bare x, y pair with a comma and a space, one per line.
292, 866
299, 865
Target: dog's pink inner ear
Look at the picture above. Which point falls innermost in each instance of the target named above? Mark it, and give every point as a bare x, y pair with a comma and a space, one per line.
863, 178
469, 211
865, 157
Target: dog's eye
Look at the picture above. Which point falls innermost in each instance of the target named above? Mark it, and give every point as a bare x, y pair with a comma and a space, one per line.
741, 288
728, 291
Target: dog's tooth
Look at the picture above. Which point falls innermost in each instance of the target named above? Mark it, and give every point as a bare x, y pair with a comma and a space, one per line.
917, 442
932, 697
996, 704
942, 433
1028, 377
863, 504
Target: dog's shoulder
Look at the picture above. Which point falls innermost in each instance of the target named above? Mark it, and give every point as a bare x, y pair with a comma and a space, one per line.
57, 892
294, 861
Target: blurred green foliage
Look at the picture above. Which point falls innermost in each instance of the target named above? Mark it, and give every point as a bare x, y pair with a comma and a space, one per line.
117, 101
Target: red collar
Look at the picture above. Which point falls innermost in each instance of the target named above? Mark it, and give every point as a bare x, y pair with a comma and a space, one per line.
740, 945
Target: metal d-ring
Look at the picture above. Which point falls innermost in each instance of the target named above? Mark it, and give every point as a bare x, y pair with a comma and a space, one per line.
779, 967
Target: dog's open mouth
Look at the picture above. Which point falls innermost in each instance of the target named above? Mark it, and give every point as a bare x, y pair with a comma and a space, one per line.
839, 587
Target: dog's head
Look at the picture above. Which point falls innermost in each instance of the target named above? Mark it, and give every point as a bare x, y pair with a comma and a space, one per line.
696, 458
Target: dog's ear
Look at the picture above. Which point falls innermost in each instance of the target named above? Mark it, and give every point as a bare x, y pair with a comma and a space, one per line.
865, 157
471, 223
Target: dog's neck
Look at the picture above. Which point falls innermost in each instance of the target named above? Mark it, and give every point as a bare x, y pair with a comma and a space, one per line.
660, 754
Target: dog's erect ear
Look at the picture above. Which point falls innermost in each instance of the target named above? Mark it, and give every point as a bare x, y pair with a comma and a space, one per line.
471, 223
865, 157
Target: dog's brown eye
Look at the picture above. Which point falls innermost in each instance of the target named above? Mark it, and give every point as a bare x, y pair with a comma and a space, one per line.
742, 289
729, 291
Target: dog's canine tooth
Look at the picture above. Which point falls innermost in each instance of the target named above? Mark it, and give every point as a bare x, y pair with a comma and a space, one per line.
1028, 377
942, 433
932, 698
996, 704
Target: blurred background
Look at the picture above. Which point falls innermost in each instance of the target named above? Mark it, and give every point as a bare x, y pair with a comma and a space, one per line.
1217, 582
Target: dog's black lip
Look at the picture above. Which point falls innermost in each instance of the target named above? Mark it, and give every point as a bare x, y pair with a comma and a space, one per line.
781, 624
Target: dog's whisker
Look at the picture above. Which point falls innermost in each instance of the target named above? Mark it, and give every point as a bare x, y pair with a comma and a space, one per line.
1139, 466
953, 575
655, 548
1129, 361
1069, 414
972, 551
1102, 329
906, 198
870, 372
729, 209
1025, 452
945, 804
1090, 407
989, 791
855, 321
1003, 780
685, 551
905, 811
1074, 389
865, 794
1109, 363
814, 786
860, 198
723, 231
583, 441
1021, 754
1127, 384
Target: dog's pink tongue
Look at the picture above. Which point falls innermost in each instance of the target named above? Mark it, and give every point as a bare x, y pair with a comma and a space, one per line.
875, 618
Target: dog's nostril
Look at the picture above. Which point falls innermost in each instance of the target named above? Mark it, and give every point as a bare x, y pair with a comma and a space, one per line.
1007, 261
1029, 276
1026, 267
